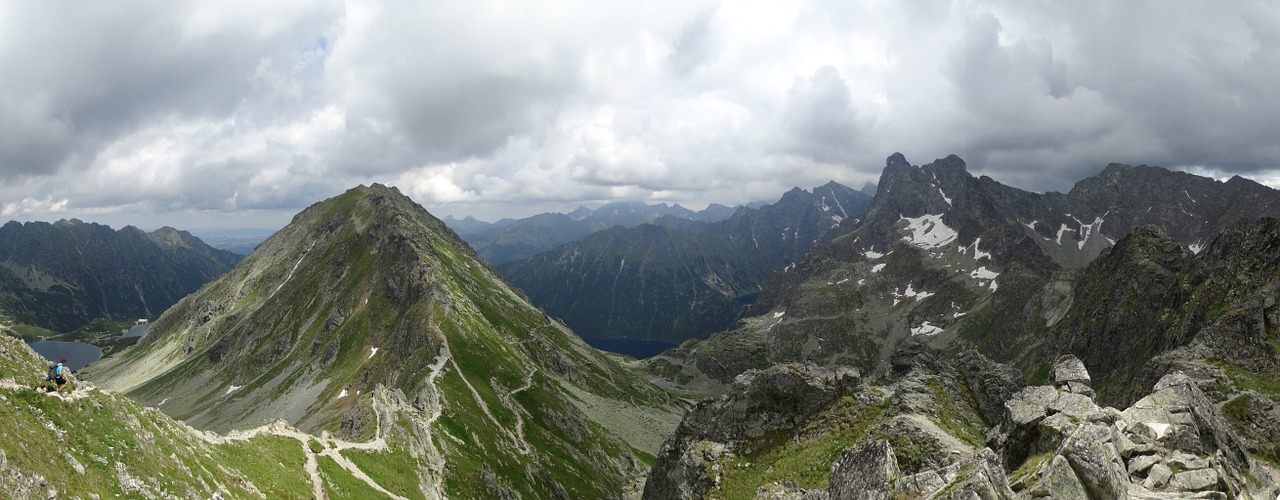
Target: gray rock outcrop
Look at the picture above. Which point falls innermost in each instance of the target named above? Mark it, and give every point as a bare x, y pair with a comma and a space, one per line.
1174, 443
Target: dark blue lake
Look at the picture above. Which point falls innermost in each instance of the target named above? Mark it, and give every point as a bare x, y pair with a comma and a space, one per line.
137, 330
635, 348
78, 354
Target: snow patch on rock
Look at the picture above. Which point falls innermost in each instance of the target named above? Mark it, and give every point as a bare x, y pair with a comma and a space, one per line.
926, 329
928, 231
982, 273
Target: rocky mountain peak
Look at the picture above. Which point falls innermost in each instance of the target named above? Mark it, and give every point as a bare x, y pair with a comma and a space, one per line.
1236, 180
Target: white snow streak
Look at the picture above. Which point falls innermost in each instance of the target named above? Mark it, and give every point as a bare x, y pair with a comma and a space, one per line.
938, 185
873, 255
1061, 230
778, 314
295, 267
876, 268
1086, 230
342, 394
372, 352
233, 389
1196, 248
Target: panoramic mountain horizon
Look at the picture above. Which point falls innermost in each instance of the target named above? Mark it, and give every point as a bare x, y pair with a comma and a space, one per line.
519, 250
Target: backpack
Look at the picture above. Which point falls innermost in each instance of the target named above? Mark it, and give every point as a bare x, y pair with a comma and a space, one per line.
53, 372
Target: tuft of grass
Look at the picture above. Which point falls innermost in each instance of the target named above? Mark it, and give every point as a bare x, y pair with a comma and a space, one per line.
950, 414
1029, 466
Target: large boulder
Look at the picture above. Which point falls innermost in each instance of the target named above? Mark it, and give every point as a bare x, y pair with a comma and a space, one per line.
1069, 374
983, 478
1058, 480
684, 470
1179, 415
1096, 462
866, 473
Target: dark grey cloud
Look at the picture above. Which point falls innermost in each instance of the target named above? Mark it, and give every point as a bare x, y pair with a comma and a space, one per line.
80, 76
820, 119
252, 107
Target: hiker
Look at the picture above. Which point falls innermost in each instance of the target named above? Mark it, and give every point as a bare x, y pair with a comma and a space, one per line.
58, 374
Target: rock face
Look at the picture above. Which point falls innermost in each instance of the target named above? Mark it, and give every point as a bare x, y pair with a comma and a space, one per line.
866, 473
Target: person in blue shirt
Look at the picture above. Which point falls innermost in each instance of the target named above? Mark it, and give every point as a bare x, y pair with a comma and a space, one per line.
59, 374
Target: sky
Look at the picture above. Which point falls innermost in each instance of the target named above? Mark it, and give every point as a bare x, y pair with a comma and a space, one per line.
240, 113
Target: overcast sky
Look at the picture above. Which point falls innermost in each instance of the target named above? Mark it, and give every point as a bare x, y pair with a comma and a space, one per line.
241, 113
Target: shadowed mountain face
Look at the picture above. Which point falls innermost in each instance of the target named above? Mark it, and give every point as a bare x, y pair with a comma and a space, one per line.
62, 275
679, 279
367, 309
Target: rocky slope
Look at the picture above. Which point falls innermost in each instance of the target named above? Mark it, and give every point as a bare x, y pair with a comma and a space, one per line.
915, 431
367, 318
675, 279
60, 276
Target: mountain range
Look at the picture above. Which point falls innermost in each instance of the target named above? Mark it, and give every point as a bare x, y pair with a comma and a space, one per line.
677, 279
60, 276
508, 240
958, 339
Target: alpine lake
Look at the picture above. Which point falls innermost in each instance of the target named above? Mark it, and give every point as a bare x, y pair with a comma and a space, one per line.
88, 343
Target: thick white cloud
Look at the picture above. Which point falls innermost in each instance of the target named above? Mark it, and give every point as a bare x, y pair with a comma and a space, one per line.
230, 112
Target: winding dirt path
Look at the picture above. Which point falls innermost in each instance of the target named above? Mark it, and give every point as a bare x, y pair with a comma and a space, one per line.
521, 445
333, 449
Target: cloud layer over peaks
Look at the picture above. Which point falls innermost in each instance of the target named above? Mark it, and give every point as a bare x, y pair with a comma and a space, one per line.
245, 109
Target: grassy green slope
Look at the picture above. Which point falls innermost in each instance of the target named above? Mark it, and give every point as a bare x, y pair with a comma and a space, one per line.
368, 291
89, 442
